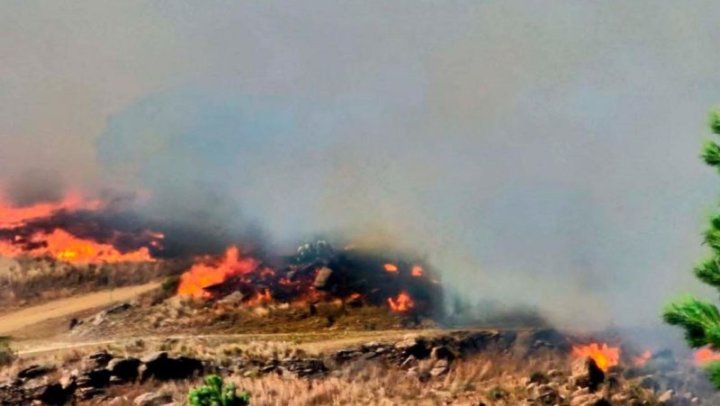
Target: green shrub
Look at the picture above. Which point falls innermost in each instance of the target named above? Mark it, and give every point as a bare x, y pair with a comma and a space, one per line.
216, 393
7, 355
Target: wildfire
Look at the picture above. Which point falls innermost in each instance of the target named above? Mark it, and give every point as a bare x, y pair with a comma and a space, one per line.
417, 271
392, 268
261, 297
202, 274
12, 216
402, 303
705, 355
603, 355
641, 359
39, 230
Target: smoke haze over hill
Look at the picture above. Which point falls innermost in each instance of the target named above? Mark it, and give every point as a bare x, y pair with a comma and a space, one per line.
537, 154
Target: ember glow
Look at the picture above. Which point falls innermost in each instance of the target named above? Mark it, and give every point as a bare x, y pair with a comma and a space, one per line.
402, 303
417, 271
204, 274
705, 355
603, 355
643, 358
392, 268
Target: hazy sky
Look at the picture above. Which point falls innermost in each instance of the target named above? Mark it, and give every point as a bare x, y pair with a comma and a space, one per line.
539, 152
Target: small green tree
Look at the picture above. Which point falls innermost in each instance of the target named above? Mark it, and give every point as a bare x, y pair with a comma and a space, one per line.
216, 393
700, 318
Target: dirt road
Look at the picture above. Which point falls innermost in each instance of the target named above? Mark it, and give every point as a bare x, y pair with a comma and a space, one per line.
65, 307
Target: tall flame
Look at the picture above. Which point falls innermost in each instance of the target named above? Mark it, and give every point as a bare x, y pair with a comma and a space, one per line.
202, 274
402, 303
603, 355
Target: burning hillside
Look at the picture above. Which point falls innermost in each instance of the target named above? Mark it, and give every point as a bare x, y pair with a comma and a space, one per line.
74, 230
316, 274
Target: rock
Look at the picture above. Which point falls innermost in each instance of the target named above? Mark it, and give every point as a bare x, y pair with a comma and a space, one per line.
100, 358
415, 346
322, 278
587, 374
234, 298
161, 367
160, 355
345, 355
118, 308
88, 393
153, 399
409, 361
96, 378
442, 352
440, 367
124, 369
52, 394
34, 371
666, 396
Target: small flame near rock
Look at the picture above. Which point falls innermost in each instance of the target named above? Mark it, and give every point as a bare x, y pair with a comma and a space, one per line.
604, 355
705, 355
402, 303
642, 359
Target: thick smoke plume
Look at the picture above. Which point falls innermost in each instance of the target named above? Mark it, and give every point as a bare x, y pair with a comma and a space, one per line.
537, 155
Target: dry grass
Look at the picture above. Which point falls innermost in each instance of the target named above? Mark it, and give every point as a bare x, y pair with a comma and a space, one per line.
369, 383
25, 281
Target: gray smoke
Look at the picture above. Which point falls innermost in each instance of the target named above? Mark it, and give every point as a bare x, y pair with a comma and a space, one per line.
539, 154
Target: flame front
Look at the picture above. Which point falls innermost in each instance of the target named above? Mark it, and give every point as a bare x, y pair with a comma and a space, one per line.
402, 303
39, 230
11, 216
603, 355
202, 274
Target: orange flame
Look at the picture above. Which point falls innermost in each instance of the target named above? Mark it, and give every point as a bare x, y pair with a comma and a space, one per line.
392, 268
417, 271
201, 275
64, 246
603, 355
11, 215
641, 359
401, 303
705, 355
260, 298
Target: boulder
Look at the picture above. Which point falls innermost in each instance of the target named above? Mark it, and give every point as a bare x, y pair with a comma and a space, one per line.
52, 394
415, 346
153, 399
96, 378
440, 367
442, 352
161, 367
100, 358
35, 371
322, 278
124, 369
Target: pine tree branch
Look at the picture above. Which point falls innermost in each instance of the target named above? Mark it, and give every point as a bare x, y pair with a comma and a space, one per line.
699, 319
